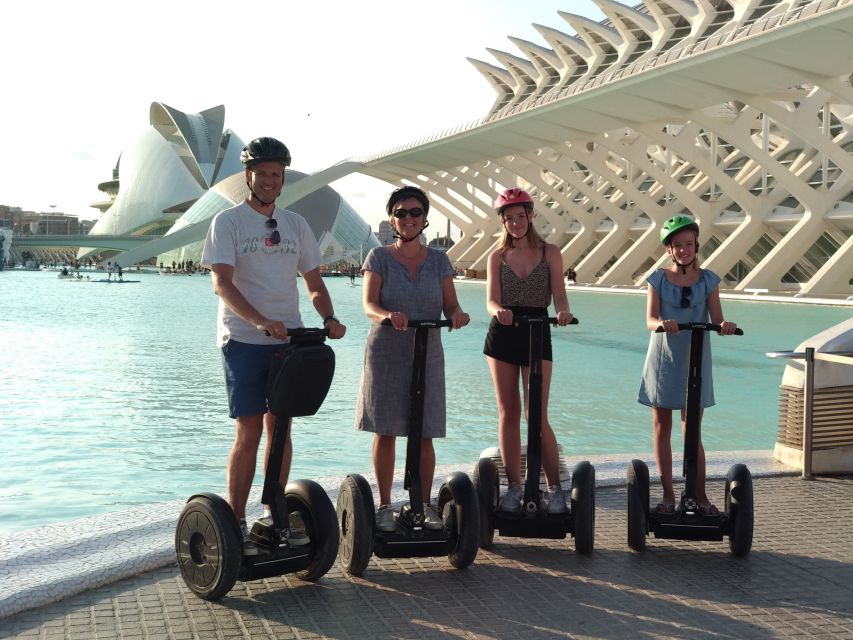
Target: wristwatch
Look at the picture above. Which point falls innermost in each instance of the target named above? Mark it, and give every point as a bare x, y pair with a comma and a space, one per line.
327, 318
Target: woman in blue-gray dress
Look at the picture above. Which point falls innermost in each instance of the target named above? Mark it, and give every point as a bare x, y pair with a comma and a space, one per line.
406, 280
681, 293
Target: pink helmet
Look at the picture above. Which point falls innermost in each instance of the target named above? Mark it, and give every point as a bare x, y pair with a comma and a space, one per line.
513, 196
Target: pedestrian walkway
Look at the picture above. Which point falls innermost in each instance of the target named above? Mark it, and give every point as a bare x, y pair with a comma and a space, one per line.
796, 582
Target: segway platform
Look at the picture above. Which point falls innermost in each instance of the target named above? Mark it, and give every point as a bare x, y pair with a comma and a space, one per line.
687, 522
456, 500
208, 541
533, 520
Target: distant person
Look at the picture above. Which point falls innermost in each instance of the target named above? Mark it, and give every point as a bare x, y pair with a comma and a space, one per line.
109, 270
681, 293
571, 276
523, 275
255, 251
403, 281
353, 270
119, 272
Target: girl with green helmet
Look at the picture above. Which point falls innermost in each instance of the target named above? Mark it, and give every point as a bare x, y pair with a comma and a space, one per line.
681, 293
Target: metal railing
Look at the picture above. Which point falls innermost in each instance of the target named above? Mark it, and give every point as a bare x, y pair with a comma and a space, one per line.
809, 357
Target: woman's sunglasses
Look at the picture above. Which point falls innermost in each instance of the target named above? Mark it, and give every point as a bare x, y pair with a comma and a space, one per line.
275, 236
415, 212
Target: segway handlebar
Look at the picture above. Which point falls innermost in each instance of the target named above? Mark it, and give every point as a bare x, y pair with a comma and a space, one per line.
542, 319
699, 326
417, 324
304, 331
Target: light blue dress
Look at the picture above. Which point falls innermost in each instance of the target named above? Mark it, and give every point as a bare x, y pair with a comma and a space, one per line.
664, 383
383, 399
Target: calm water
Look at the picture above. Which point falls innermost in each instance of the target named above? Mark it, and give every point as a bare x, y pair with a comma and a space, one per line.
112, 396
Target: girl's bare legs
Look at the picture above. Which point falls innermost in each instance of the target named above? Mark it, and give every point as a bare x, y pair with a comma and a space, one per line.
550, 452
662, 423
505, 379
701, 495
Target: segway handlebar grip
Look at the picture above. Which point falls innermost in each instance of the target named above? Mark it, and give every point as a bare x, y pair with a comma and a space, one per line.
699, 326
417, 324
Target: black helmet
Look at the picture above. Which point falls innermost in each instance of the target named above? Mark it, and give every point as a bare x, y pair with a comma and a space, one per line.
264, 150
404, 193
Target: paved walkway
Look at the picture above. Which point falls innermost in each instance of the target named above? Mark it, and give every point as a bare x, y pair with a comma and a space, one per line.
797, 582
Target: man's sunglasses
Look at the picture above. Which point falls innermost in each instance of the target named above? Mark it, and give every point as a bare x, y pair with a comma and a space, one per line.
415, 212
275, 236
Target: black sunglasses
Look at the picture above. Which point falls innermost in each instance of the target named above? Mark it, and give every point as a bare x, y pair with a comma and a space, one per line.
415, 212
685, 297
275, 236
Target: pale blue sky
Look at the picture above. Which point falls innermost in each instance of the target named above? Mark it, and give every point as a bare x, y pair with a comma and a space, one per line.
332, 79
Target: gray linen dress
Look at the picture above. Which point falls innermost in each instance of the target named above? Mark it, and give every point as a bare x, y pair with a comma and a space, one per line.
664, 383
383, 398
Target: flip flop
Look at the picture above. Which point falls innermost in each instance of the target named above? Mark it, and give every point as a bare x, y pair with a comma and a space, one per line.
708, 509
665, 507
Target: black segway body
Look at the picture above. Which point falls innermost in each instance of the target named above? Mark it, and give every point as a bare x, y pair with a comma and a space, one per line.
688, 522
208, 542
533, 521
457, 500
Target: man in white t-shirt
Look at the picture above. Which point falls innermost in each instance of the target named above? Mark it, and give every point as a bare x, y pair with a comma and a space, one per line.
254, 251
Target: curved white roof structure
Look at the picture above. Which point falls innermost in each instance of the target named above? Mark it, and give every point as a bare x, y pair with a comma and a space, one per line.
740, 111
173, 163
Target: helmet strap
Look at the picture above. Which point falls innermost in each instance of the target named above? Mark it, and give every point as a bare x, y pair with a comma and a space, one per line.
397, 236
512, 238
256, 196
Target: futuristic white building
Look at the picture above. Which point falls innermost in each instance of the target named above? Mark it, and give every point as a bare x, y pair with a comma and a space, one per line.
739, 112
173, 163
183, 170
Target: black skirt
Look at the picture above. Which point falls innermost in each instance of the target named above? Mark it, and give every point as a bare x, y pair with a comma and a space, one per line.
511, 343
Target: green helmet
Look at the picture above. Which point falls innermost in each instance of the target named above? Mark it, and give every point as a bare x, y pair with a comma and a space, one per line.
675, 224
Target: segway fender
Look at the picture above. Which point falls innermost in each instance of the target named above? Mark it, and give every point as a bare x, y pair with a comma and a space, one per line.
218, 501
464, 496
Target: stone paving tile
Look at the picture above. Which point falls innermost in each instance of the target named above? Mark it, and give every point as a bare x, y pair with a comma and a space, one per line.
796, 583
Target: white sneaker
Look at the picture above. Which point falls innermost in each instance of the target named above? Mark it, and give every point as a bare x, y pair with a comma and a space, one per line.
512, 499
432, 519
385, 519
556, 500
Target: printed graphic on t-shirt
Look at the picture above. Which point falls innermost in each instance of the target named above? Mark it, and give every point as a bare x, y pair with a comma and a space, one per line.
255, 244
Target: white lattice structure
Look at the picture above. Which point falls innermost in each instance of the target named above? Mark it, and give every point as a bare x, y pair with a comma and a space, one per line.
740, 111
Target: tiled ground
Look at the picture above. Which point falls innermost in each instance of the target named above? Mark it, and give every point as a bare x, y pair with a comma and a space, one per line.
797, 582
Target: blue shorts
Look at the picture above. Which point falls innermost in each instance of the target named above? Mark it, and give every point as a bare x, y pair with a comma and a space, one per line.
246, 372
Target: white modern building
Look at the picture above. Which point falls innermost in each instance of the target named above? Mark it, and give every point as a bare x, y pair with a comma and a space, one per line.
737, 111
175, 160
183, 170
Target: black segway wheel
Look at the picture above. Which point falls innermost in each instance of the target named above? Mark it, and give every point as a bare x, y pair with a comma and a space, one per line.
638, 505
307, 500
739, 507
583, 506
356, 521
460, 510
208, 546
486, 484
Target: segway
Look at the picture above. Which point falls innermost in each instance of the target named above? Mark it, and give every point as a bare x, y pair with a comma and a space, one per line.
208, 542
687, 522
533, 520
457, 500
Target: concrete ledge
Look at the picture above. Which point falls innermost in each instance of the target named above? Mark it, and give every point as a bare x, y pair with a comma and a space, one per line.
50, 563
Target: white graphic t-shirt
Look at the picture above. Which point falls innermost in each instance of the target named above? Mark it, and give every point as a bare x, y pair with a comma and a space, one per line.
265, 273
